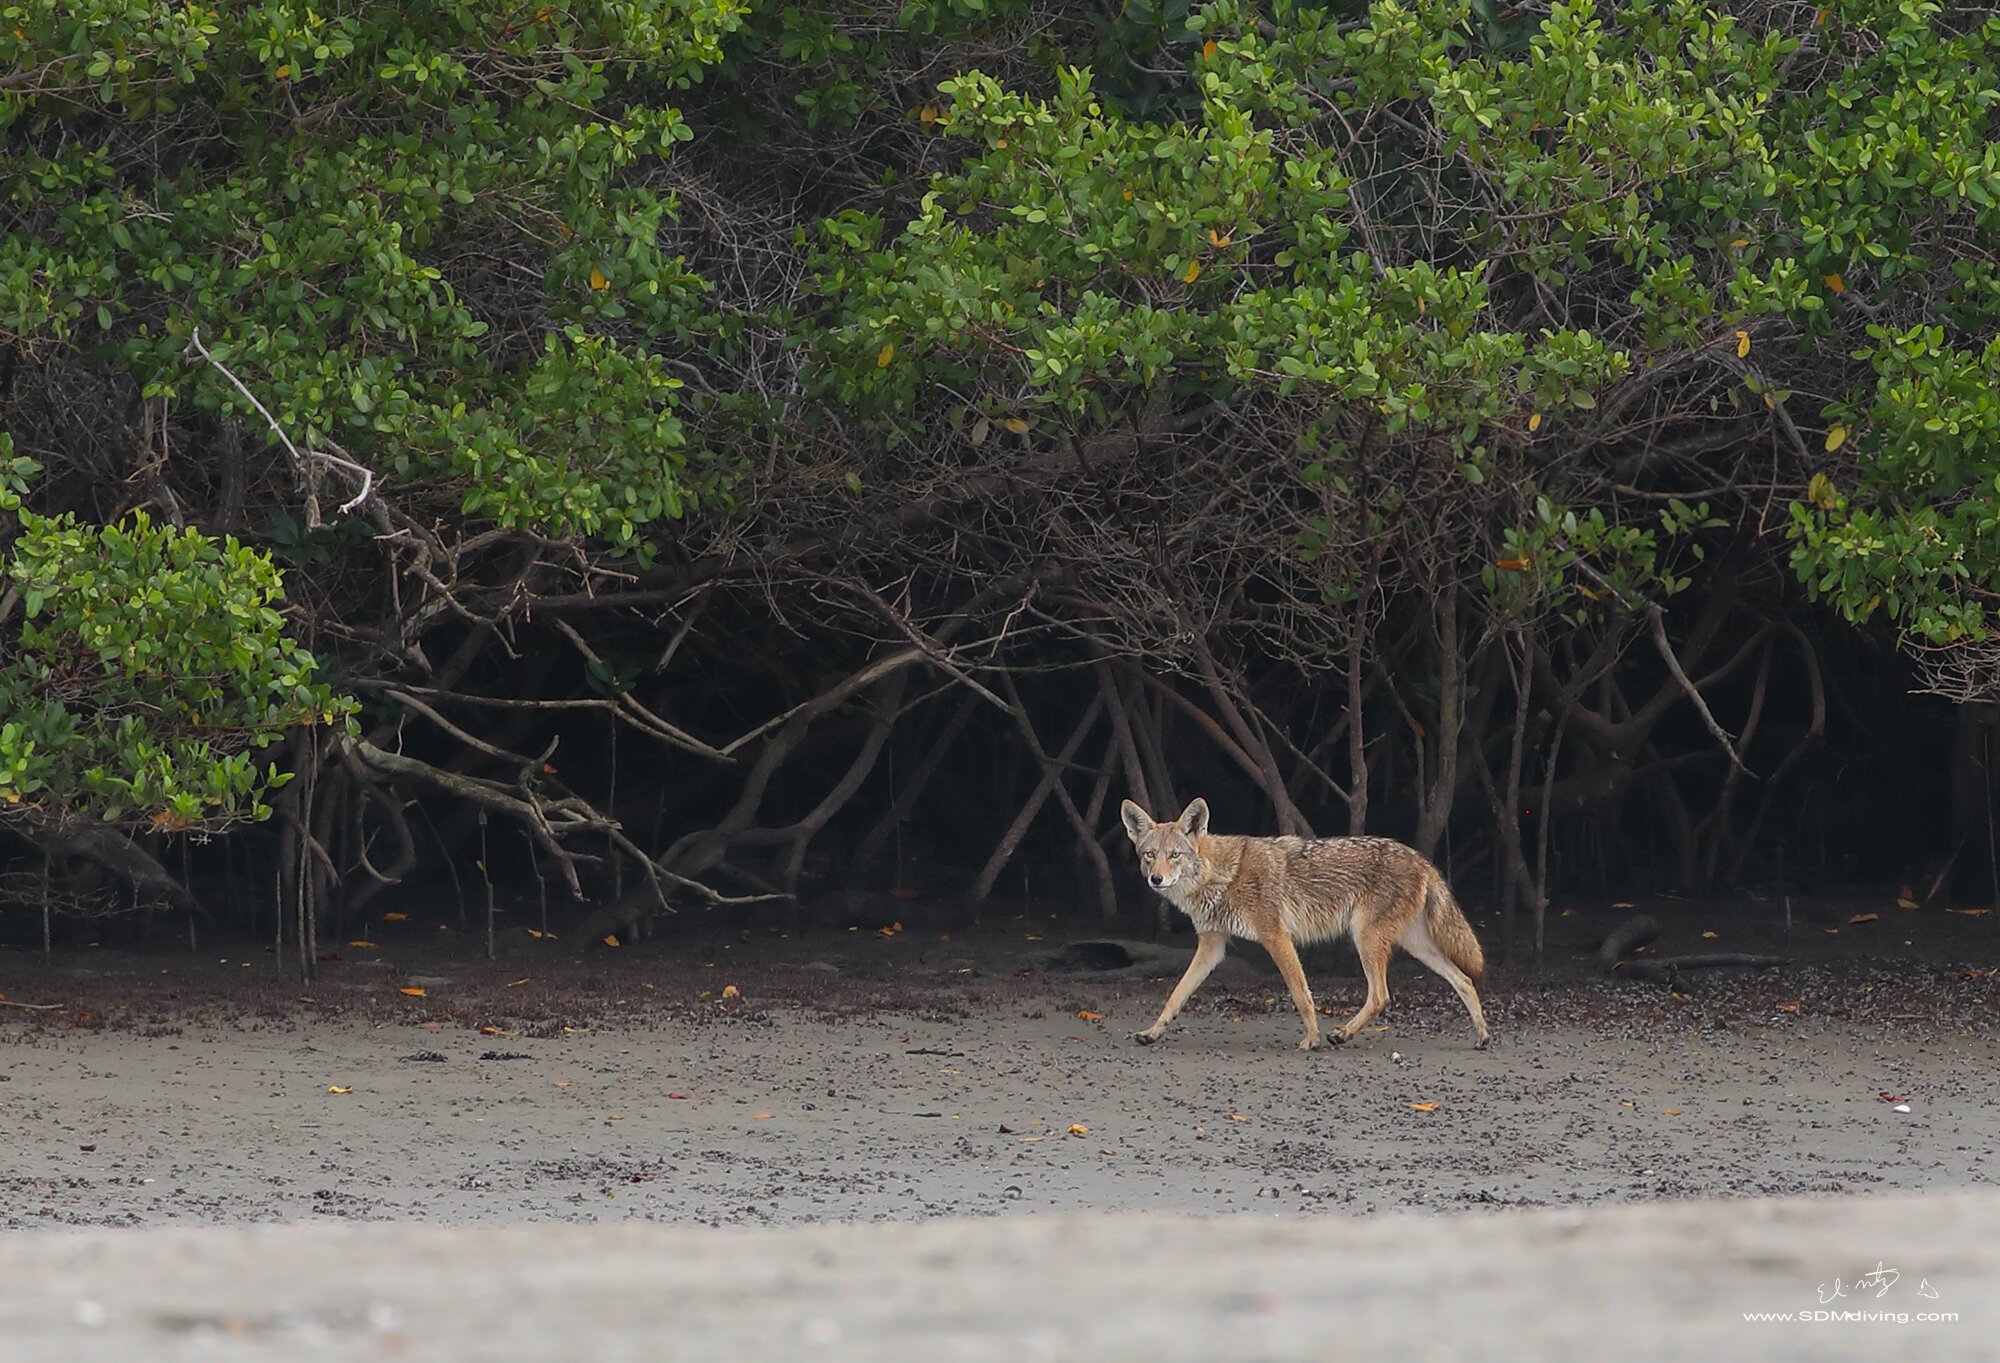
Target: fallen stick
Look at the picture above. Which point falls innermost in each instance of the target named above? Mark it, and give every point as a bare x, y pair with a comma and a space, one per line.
1635, 932
36, 1007
1667, 970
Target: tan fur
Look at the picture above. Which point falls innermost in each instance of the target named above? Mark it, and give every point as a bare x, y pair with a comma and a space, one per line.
1287, 891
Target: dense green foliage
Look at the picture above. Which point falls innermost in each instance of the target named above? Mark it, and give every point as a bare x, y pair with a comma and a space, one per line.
152, 666
410, 228
1892, 198
1472, 385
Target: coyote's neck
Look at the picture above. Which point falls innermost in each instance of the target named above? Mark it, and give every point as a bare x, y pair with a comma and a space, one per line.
1201, 898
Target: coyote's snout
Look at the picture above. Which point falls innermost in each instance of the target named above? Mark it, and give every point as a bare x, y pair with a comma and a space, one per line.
1281, 891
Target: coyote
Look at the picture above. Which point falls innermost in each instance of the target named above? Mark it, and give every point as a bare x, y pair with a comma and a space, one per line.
1284, 890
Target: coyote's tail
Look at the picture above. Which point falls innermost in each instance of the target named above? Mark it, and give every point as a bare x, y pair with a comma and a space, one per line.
1451, 932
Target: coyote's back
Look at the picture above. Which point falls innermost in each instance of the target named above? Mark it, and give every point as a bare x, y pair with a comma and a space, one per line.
1286, 890
1330, 887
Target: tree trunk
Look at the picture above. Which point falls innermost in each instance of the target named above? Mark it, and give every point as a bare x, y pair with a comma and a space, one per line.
1435, 803
1251, 740
905, 799
1147, 739
1357, 736
806, 829
1052, 773
1125, 745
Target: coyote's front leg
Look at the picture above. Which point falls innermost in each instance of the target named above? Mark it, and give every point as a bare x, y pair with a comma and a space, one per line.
1207, 953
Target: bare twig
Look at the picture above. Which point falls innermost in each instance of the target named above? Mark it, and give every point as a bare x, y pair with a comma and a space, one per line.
299, 458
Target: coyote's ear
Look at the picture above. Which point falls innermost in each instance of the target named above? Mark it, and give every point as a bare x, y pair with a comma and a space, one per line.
1138, 823
1194, 819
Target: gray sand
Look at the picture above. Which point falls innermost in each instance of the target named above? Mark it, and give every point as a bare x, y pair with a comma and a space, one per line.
795, 1114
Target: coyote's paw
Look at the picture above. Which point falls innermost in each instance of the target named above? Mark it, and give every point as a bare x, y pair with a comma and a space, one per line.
1149, 1036
1482, 1043
1339, 1038
1310, 1042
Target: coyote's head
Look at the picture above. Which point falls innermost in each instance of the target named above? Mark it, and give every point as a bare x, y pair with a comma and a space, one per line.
1166, 850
